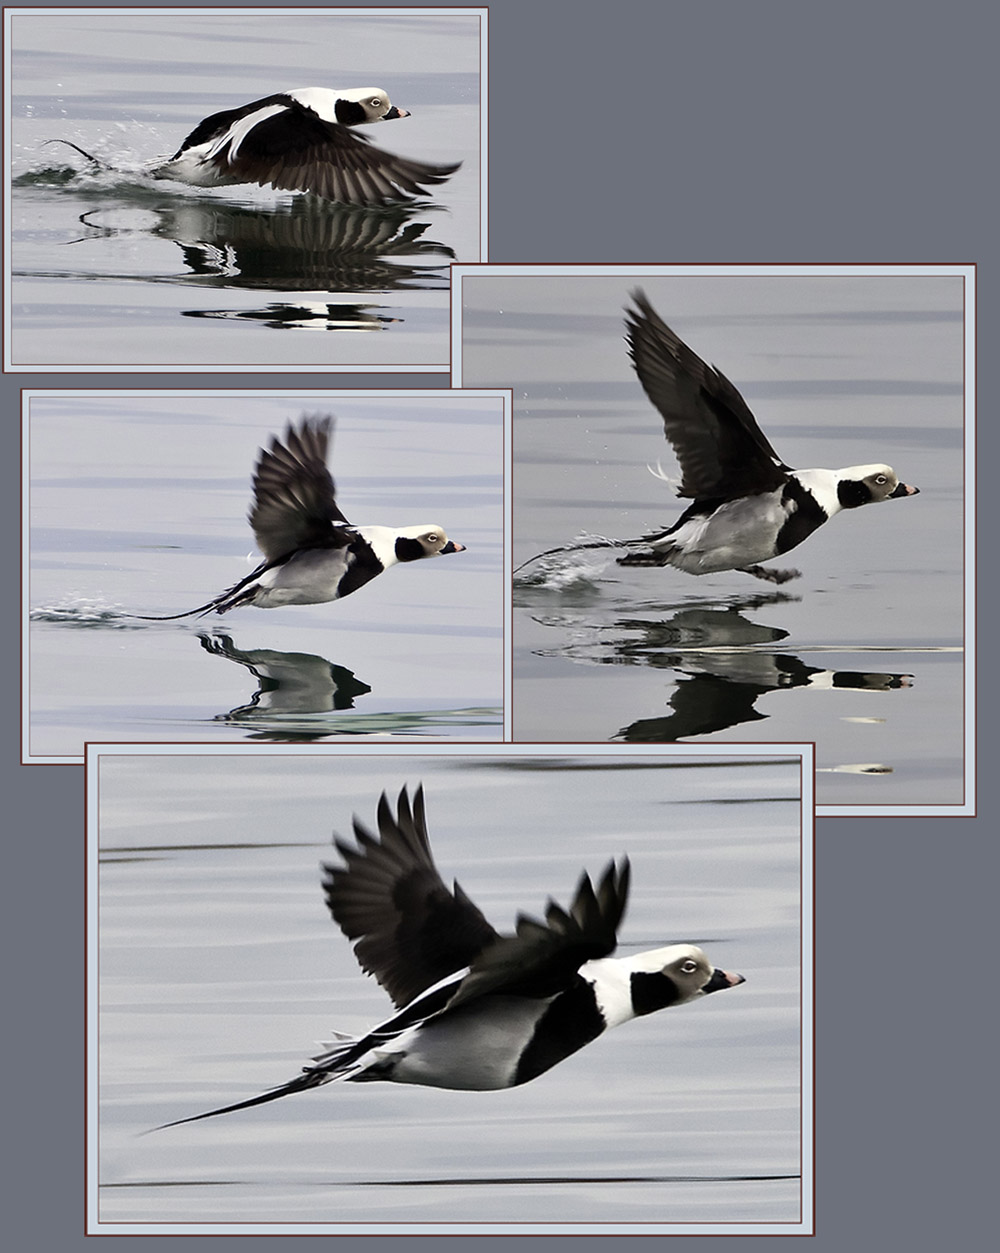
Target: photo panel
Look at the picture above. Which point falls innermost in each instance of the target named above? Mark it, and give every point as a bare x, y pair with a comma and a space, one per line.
185, 184
144, 617
632, 624
215, 973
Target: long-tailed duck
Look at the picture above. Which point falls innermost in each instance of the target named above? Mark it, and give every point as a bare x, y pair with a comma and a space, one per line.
748, 505
303, 140
312, 554
477, 1010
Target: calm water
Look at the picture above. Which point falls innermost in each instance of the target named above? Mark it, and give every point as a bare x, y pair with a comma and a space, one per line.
863, 654
138, 505
220, 969
115, 269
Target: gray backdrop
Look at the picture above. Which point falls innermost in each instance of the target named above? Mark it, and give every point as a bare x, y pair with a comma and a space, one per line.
732, 130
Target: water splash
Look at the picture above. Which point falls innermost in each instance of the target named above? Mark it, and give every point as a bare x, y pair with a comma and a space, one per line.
574, 563
559, 573
82, 611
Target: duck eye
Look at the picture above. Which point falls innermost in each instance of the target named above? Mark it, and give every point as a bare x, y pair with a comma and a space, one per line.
376, 103
689, 967
432, 538
880, 479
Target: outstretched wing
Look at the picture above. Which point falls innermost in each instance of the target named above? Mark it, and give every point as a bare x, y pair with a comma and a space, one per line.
294, 502
542, 957
295, 150
721, 450
411, 931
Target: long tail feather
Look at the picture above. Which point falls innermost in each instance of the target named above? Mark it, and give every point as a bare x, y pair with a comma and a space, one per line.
301, 1083
240, 593
200, 612
578, 547
99, 165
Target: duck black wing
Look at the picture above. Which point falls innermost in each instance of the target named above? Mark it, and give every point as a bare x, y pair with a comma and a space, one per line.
411, 931
294, 501
721, 450
294, 149
541, 958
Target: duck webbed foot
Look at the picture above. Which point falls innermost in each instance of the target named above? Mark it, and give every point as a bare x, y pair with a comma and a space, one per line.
771, 576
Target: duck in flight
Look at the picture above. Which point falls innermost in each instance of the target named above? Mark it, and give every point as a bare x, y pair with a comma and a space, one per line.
477, 1010
302, 140
312, 554
748, 505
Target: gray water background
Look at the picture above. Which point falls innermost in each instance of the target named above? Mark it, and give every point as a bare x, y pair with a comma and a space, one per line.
137, 505
116, 269
219, 969
839, 371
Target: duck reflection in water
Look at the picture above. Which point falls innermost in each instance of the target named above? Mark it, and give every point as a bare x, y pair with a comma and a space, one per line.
290, 683
722, 662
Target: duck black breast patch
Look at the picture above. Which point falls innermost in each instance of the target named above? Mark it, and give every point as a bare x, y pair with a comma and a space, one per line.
409, 549
853, 492
349, 112
806, 514
652, 991
571, 1021
362, 567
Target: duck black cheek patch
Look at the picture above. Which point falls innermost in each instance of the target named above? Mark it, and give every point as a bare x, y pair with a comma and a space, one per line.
349, 112
652, 991
851, 493
409, 549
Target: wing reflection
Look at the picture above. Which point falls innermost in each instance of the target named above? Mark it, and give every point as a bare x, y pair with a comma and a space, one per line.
303, 245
